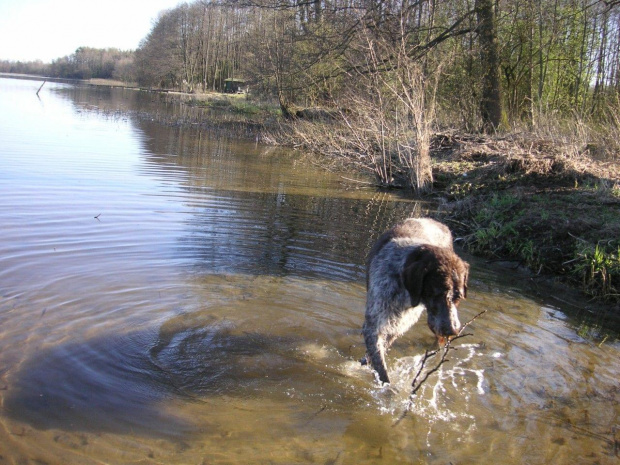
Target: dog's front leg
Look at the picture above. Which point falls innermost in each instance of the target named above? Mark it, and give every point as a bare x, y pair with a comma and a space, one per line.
375, 351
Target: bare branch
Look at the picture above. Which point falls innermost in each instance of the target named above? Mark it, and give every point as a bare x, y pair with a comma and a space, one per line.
469, 322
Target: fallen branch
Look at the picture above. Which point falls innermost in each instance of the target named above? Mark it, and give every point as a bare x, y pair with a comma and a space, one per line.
415, 384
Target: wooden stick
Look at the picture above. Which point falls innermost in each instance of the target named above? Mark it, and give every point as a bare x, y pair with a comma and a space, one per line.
470, 322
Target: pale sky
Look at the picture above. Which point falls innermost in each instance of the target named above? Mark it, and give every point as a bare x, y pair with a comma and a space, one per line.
48, 29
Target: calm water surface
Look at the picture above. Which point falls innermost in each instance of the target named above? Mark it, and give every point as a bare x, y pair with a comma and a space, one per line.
167, 296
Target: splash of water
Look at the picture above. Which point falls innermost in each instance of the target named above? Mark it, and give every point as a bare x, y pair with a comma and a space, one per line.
451, 386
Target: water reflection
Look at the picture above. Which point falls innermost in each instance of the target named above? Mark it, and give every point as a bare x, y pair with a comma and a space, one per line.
252, 209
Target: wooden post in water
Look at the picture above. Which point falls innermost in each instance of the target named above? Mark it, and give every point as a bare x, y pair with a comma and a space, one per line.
41, 88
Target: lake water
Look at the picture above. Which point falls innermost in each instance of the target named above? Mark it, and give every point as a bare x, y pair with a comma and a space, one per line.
170, 296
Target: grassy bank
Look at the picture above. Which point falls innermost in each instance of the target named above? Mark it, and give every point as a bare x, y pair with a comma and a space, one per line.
243, 105
240, 108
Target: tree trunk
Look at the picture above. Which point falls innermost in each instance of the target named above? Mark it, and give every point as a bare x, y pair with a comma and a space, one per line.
285, 106
491, 104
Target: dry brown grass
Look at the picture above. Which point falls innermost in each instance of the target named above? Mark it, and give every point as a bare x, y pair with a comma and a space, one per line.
472, 163
111, 83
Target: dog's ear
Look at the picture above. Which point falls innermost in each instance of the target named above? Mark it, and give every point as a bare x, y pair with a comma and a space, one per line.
415, 269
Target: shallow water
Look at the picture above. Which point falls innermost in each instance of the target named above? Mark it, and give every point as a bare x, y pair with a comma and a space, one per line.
169, 296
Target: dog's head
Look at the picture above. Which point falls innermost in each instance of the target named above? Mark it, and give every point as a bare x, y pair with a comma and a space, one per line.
437, 278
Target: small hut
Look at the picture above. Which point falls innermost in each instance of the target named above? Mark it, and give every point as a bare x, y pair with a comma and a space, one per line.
233, 85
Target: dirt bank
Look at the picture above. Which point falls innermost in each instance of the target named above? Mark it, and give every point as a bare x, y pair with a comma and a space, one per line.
551, 208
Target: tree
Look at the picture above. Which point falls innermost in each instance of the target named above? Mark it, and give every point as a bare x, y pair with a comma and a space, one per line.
491, 101
159, 60
529, 57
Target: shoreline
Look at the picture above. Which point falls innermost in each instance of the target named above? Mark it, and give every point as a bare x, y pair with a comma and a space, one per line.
553, 214
539, 204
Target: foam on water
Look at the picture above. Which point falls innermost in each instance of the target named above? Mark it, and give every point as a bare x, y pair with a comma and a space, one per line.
454, 382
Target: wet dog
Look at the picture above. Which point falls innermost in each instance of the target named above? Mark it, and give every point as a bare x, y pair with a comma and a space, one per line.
411, 268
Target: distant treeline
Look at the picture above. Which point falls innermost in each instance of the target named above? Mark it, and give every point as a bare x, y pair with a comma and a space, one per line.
85, 63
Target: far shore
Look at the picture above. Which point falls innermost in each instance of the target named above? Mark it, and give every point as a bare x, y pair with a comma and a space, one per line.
94, 82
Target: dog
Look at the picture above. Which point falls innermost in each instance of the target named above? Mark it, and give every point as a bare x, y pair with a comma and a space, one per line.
411, 268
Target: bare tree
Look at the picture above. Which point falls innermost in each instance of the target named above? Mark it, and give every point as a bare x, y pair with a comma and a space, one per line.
526, 56
158, 61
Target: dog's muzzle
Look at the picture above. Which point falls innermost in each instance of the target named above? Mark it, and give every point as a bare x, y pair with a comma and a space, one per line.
445, 322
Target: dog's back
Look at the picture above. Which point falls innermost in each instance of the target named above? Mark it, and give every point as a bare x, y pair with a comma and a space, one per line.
412, 231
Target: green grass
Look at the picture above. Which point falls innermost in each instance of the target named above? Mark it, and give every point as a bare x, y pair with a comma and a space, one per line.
240, 105
570, 233
599, 270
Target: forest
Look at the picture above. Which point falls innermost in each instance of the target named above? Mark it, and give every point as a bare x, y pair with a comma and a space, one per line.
480, 60
84, 63
549, 55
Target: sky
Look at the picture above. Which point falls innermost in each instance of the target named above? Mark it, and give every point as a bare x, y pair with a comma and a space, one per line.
47, 29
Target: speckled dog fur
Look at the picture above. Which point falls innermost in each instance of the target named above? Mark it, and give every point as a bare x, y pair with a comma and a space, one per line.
411, 268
